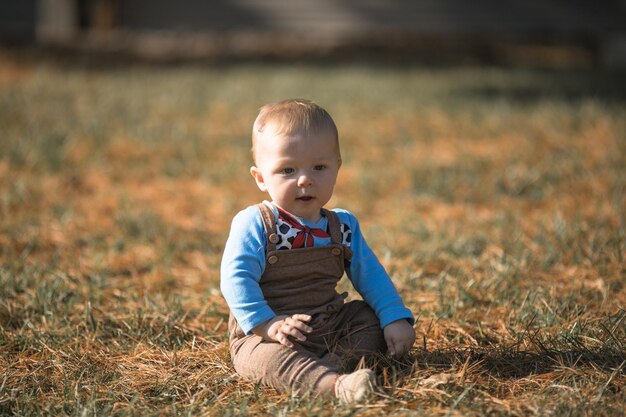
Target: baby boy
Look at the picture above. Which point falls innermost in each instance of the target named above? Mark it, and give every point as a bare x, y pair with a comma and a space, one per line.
289, 327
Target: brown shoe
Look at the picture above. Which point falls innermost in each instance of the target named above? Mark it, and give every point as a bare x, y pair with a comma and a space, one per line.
355, 387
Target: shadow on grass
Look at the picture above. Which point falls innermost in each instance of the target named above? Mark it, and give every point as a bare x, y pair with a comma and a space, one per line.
505, 363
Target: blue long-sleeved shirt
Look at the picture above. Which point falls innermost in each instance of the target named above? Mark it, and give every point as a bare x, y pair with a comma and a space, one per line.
243, 263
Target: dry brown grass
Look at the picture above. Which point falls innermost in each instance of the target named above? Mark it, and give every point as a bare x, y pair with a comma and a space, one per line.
494, 197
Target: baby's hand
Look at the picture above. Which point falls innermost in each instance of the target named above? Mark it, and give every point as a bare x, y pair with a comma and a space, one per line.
281, 327
399, 336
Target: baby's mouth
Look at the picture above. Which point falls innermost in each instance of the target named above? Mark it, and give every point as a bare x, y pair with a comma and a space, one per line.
305, 198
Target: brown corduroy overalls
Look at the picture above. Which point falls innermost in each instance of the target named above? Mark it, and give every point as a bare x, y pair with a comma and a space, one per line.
303, 281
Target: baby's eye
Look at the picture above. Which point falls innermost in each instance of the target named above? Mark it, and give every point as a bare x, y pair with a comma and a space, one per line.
287, 171
320, 167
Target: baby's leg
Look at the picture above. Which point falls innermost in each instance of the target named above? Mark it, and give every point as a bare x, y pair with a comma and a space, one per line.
359, 335
281, 367
298, 369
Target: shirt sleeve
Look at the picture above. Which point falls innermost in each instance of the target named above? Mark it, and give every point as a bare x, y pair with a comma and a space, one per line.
242, 266
370, 278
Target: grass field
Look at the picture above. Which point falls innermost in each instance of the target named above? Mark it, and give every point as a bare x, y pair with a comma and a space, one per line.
493, 196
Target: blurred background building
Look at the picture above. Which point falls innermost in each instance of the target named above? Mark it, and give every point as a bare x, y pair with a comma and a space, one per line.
549, 31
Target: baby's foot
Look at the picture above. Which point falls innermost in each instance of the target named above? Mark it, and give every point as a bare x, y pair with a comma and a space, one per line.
355, 387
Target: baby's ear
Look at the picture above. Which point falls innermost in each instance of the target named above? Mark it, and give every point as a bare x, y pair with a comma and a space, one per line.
258, 177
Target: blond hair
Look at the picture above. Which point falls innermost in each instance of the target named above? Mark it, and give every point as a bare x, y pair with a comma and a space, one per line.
293, 116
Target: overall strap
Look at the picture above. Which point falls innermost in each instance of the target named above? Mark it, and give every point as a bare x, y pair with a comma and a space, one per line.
334, 227
269, 223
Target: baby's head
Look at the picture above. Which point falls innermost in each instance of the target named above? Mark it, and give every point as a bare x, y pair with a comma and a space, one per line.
295, 148
293, 117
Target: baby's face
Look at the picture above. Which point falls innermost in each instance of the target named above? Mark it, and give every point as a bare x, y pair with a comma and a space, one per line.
299, 172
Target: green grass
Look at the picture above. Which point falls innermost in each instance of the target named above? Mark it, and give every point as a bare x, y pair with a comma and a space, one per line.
493, 196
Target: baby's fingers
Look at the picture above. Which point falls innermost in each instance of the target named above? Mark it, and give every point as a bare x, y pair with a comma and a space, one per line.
293, 332
302, 317
392, 348
395, 346
298, 321
283, 339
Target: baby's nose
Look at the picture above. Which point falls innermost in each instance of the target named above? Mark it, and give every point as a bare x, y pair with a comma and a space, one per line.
304, 180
